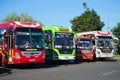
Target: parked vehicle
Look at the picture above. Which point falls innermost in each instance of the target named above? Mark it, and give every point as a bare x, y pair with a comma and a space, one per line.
22, 43
102, 44
59, 43
84, 48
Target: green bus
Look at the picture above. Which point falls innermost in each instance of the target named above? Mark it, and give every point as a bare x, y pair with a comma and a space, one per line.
59, 43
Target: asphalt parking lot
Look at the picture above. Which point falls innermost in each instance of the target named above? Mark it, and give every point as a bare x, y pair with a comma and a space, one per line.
99, 70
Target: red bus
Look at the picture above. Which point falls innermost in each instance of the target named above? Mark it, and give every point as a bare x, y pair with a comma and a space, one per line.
21, 43
84, 48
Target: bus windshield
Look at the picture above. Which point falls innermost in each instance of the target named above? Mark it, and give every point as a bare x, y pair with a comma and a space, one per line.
104, 42
84, 44
29, 38
63, 40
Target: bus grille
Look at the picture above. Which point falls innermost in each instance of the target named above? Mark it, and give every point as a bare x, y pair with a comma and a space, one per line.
66, 51
29, 53
106, 50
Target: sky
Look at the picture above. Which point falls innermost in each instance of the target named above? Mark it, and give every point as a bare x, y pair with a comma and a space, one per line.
60, 12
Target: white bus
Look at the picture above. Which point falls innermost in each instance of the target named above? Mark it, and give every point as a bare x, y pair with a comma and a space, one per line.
102, 44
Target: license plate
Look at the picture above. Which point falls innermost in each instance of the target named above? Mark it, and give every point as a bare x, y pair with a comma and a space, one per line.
66, 57
32, 60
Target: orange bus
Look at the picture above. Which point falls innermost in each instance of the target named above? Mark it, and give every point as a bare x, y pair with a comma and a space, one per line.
84, 49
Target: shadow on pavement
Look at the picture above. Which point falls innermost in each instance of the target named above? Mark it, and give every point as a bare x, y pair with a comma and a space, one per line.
51, 65
41, 66
34, 66
107, 60
5, 71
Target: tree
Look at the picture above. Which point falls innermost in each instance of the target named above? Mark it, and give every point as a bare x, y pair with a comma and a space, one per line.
87, 21
12, 17
26, 17
23, 17
116, 32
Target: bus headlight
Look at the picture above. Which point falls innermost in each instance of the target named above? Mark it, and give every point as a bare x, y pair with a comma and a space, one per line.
17, 55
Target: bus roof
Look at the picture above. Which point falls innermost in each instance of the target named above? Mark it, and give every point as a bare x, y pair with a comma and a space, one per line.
58, 28
78, 35
15, 24
96, 33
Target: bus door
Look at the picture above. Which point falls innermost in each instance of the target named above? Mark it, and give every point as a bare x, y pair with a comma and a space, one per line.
48, 44
7, 46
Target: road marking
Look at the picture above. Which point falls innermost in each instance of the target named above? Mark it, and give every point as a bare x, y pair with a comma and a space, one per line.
109, 73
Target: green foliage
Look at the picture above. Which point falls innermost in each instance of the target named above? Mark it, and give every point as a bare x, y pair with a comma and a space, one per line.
23, 17
88, 21
117, 56
12, 17
115, 43
118, 47
116, 32
26, 17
